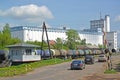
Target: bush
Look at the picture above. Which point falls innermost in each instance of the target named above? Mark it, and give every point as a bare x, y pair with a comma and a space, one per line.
110, 71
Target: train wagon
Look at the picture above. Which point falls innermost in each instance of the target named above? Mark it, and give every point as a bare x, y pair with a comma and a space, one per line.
45, 54
81, 52
59, 53
73, 53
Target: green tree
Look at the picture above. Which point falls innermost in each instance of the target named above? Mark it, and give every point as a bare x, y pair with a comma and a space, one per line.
73, 39
6, 30
83, 42
14, 41
5, 37
101, 46
45, 46
59, 43
1, 41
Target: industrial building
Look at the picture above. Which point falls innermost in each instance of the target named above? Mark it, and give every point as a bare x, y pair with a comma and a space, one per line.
30, 33
103, 25
94, 35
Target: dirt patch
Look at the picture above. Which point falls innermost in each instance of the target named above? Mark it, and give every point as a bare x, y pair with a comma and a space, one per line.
101, 76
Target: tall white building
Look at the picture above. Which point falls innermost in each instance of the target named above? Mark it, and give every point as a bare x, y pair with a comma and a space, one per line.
29, 33
101, 24
104, 25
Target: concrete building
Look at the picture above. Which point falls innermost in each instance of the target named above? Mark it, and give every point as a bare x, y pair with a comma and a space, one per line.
101, 24
94, 35
91, 37
111, 38
29, 33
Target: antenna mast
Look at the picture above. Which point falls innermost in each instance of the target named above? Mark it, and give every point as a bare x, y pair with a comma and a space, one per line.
100, 16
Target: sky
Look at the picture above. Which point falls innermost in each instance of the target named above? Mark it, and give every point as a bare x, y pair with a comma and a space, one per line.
75, 14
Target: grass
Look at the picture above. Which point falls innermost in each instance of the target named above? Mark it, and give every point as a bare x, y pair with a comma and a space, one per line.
110, 71
27, 67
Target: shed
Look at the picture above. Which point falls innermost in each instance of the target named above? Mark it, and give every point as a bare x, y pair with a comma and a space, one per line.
23, 52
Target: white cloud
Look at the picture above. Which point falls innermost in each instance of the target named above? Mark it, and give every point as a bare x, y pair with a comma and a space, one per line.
117, 18
31, 13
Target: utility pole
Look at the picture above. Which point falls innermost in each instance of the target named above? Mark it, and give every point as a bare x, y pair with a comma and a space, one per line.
45, 29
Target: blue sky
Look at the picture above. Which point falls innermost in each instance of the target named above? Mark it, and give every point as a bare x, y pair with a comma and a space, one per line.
75, 14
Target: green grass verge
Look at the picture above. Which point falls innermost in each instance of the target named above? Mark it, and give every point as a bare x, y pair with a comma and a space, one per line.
27, 67
110, 71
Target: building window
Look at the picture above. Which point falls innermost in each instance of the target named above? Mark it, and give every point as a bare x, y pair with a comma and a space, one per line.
28, 51
12, 52
17, 52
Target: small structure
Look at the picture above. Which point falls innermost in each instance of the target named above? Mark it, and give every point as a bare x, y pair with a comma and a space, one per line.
23, 52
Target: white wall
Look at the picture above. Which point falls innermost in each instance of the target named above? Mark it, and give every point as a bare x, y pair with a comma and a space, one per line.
111, 40
93, 39
36, 35
18, 34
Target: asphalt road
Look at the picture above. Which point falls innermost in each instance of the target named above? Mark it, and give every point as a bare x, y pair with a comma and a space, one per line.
59, 72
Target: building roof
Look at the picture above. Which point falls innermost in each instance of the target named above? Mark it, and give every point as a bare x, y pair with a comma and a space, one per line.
23, 45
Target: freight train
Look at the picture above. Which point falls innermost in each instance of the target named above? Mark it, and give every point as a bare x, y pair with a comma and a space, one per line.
46, 54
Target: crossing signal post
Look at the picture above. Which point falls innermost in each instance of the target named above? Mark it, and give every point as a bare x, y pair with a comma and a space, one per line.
108, 53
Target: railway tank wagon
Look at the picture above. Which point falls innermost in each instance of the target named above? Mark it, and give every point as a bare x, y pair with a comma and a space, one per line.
73, 54
46, 54
81, 52
59, 53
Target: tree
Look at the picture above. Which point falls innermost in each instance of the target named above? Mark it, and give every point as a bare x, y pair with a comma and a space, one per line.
59, 43
83, 42
73, 39
14, 41
6, 30
101, 46
5, 37
1, 41
45, 46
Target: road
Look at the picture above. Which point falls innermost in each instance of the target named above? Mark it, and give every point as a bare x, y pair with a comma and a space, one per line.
59, 72
102, 76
